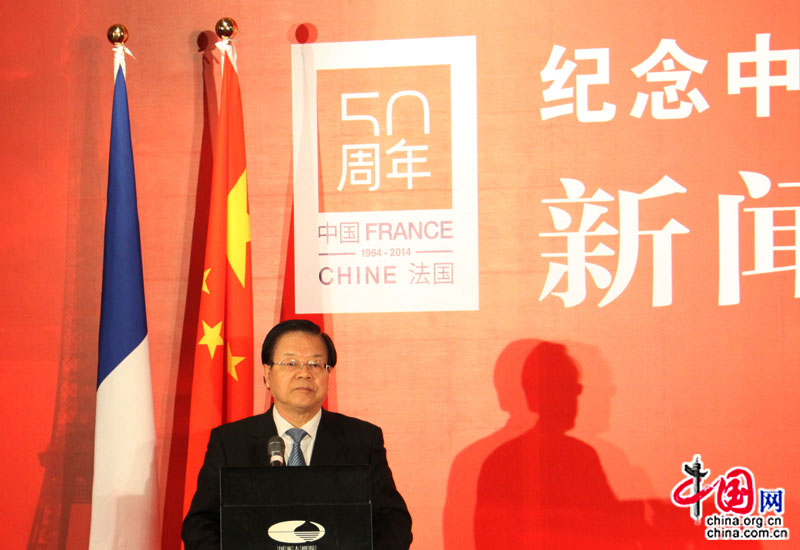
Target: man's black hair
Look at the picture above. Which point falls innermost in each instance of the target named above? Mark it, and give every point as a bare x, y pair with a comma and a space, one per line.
295, 325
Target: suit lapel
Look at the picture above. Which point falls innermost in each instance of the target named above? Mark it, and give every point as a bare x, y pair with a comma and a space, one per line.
329, 441
260, 436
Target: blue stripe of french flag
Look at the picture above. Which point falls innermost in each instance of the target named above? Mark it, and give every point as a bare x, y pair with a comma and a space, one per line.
124, 489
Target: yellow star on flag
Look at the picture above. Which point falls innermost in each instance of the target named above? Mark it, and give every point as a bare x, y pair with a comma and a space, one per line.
205, 281
238, 228
211, 337
232, 362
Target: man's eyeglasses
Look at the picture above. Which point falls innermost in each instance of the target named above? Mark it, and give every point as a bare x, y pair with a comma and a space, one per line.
314, 367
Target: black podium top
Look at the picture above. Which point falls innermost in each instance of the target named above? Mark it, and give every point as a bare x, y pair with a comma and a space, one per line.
308, 508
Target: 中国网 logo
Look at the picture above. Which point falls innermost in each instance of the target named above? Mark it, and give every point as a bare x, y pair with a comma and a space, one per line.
736, 500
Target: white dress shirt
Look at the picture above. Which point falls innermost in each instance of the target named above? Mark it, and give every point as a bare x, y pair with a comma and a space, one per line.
307, 443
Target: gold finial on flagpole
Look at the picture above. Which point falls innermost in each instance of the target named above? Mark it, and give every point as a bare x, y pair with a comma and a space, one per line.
226, 28
117, 34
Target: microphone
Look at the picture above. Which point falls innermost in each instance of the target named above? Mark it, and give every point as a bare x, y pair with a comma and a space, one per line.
275, 449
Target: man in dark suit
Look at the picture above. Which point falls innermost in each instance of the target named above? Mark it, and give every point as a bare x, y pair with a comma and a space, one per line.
298, 358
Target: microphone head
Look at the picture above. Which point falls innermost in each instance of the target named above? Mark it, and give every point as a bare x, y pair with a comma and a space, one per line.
275, 449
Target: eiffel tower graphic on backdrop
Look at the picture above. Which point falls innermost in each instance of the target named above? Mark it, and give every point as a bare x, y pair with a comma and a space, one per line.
63, 512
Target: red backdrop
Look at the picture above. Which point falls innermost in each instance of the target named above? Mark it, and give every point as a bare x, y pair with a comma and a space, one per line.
660, 384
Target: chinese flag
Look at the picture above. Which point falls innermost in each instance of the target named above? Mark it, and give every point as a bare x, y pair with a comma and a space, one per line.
222, 381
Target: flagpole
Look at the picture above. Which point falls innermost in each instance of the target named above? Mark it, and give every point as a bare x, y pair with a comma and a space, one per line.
117, 34
226, 28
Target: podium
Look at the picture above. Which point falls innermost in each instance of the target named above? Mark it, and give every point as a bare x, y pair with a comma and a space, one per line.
295, 508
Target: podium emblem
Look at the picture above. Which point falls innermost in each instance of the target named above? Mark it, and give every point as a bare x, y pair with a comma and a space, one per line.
296, 531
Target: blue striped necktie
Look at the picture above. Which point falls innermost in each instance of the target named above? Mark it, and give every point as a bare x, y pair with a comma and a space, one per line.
296, 456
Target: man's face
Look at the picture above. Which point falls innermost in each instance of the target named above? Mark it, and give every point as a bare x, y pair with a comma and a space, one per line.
298, 392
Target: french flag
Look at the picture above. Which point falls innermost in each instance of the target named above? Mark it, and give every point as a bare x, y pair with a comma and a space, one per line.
124, 490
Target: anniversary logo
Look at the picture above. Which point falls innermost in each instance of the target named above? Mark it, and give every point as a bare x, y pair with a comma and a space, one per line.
385, 175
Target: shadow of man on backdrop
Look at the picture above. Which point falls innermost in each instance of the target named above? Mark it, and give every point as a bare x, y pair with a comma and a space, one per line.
545, 489
459, 507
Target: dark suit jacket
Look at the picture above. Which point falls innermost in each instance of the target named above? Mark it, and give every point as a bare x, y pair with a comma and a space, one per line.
341, 440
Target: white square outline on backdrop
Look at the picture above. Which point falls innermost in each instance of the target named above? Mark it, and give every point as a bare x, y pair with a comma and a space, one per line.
459, 52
